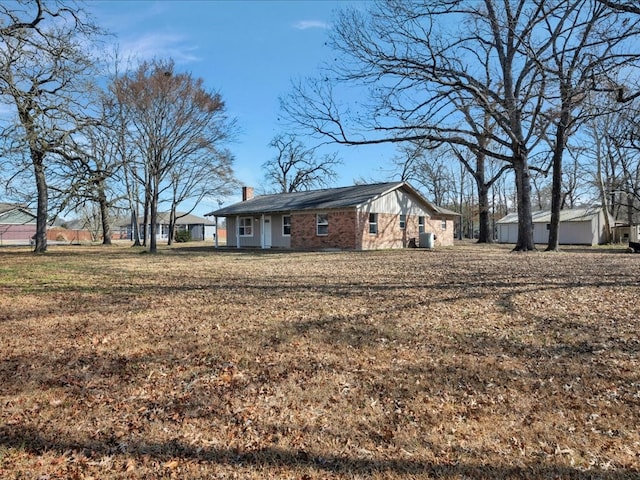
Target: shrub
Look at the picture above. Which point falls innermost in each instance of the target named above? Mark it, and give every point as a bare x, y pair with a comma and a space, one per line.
183, 236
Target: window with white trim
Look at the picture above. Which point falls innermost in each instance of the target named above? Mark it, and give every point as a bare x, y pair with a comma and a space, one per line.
373, 223
286, 225
322, 224
403, 222
444, 224
420, 224
245, 229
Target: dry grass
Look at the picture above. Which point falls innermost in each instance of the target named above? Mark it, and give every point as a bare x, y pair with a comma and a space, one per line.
470, 362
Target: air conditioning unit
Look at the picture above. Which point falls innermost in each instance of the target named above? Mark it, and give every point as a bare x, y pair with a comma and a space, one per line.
426, 240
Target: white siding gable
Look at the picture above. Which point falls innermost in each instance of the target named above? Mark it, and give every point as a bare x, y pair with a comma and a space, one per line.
397, 201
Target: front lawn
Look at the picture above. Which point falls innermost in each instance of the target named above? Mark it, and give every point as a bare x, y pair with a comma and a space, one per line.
467, 362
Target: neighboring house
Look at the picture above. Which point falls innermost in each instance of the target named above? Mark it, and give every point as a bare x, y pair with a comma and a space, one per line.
624, 233
17, 224
199, 228
580, 226
361, 217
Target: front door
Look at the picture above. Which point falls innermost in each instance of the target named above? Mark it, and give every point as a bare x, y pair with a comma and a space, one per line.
266, 232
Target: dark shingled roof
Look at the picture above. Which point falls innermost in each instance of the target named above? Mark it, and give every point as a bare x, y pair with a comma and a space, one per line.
327, 199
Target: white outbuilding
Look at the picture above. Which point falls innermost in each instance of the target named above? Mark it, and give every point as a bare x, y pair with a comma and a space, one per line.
579, 226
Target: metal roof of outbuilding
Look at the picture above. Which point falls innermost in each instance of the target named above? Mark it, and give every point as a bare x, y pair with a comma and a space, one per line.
544, 216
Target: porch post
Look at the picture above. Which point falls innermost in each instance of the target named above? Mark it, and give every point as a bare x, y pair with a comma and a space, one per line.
262, 231
237, 231
215, 240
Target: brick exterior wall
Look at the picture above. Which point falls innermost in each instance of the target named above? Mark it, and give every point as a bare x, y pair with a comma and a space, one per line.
342, 231
349, 230
444, 238
390, 235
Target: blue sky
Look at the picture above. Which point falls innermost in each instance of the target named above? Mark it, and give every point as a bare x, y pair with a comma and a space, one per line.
249, 51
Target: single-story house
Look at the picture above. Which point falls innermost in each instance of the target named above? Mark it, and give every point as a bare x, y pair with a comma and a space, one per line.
200, 228
17, 224
360, 217
625, 233
579, 226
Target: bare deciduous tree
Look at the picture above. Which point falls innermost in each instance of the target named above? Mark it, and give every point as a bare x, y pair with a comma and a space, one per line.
44, 72
175, 119
589, 42
493, 76
90, 173
197, 178
421, 71
628, 7
296, 167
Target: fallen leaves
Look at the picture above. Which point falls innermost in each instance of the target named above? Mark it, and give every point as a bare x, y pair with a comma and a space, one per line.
467, 362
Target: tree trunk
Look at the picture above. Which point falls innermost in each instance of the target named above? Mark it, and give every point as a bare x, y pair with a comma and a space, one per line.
172, 224
556, 203
133, 196
145, 223
523, 191
607, 224
461, 199
556, 185
153, 216
104, 215
485, 232
604, 198
135, 227
153, 230
37, 158
135, 216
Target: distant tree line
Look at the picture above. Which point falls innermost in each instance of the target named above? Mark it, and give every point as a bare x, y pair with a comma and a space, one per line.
81, 134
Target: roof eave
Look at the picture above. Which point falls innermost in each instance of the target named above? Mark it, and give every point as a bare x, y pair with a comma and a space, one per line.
432, 206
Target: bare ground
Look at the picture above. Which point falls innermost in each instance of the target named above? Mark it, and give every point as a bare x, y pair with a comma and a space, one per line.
469, 362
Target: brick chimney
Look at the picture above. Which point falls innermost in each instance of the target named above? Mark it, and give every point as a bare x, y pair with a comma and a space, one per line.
247, 193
